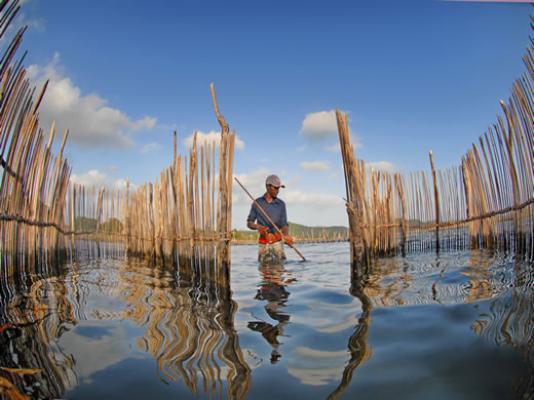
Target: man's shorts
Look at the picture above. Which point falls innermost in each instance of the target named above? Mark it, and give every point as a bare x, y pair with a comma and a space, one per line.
271, 253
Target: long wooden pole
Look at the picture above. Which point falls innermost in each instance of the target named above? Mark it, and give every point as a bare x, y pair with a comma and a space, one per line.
269, 218
436, 197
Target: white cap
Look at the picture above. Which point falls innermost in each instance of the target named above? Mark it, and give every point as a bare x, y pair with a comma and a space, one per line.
274, 180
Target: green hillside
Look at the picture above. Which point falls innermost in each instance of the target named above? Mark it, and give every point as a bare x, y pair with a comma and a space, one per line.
299, 231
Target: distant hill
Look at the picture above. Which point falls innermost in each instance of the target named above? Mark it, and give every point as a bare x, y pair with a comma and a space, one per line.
329, 232
300, 232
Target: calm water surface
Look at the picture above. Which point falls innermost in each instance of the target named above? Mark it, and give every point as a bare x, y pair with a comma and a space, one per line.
454, 326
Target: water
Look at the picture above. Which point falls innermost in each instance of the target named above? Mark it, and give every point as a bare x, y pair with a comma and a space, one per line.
455, 326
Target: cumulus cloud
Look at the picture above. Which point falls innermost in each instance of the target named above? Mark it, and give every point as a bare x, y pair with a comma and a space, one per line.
212, 137
255, 184
318, 200
122, 183
319, 125
150, 148
99, 179
92, 177
382, 166
90, 120
315, 209
315, 165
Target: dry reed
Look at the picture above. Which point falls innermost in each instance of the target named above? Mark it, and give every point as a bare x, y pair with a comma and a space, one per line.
43, 215
487, 201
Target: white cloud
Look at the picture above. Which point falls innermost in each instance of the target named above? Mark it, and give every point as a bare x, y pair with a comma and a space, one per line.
319, 125
303, 207
99, 179
122, 183
92, 177
90, 120
254, 182
314, 209
319, 200
382, 166
315, 165
150, 147
212, 137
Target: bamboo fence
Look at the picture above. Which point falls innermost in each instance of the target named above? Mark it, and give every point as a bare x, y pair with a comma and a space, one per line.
485, 202
33, 181
43, 215
190, 203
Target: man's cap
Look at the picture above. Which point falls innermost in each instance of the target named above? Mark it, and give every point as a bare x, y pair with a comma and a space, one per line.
274, 181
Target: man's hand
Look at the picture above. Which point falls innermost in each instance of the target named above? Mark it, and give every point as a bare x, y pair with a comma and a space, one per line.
288, 240
263, 230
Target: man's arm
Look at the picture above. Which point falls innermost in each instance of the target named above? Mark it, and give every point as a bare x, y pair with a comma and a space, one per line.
256, 227
252, 216
285, 227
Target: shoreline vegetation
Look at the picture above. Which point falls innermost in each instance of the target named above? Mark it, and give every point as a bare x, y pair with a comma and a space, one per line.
301, 234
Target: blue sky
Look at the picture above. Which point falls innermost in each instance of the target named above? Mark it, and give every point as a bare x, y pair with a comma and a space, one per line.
413, 76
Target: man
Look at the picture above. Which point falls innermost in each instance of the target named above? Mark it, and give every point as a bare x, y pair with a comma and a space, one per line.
270, 240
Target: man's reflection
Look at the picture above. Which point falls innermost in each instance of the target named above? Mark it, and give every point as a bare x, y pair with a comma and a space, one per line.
272, 288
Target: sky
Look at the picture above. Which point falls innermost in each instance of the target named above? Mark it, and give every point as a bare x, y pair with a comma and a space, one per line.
412, 75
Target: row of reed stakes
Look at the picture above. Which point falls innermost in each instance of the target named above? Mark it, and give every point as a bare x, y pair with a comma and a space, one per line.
485, 202
34, 182
191, 202
43, 214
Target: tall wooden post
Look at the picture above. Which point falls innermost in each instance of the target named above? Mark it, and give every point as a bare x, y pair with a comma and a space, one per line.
436, 197
402, 197
225, 184
354, 190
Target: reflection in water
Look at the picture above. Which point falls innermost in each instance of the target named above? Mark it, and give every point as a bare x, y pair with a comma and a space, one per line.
509, 321
506, 320
478, 272
90, 328
34, 313
358, 346
273, 290
186, 311
189, 325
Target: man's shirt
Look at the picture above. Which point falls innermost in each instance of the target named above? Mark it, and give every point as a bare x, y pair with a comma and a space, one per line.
275, 209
